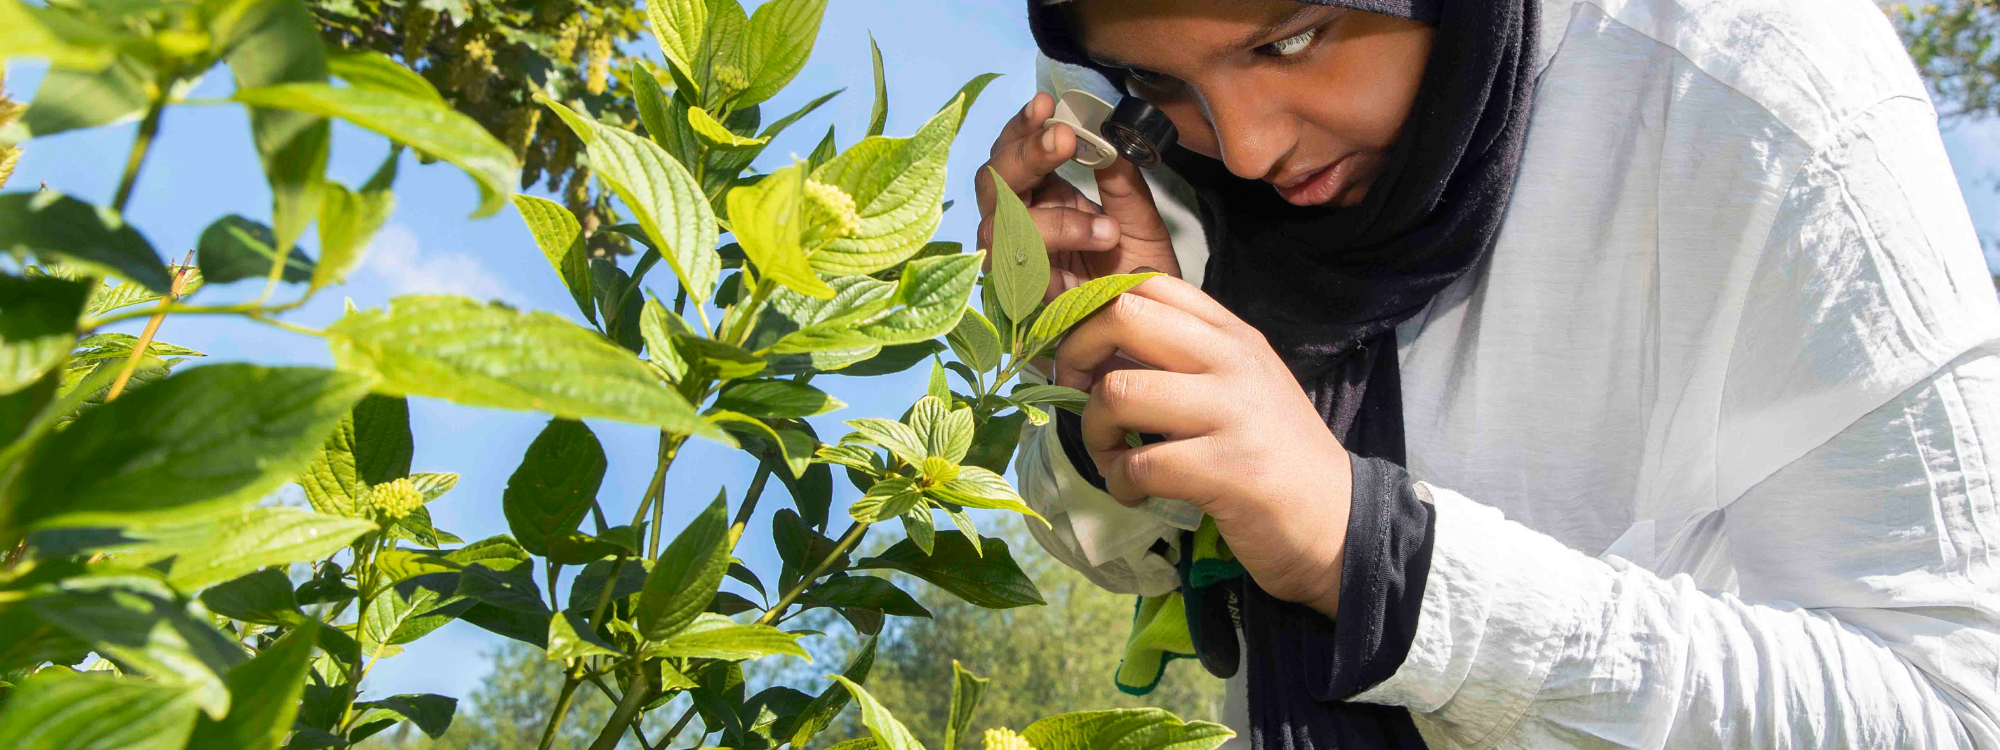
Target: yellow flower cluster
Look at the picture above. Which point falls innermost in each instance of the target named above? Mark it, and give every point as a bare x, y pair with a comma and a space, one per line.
521, 123
1005, 739
391, 501
418, 23
730, 80
834, 210
598, 74
473, 69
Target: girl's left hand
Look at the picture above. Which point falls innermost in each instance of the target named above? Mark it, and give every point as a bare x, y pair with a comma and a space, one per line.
1244, 442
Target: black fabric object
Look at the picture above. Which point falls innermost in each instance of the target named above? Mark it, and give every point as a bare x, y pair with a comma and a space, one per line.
1327, 286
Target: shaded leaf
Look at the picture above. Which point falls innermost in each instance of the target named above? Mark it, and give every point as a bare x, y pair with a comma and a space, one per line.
1020, 271
555, 485
53, 711
686, 576
38, 318
992, 580
869, 592
776, 399
51, 226
264, 696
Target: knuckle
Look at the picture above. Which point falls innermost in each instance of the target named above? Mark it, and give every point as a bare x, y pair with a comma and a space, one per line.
1142, 468
1120, 388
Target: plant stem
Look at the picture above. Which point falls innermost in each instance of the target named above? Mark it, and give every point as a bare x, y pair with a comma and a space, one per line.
628, 709
636, 731
749, 506
847, 541
562, 707
675, 733
148, 129
670, 446
242, 309
146, 336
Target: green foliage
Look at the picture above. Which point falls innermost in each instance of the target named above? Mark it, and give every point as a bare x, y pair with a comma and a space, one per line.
132, 492
1953, 44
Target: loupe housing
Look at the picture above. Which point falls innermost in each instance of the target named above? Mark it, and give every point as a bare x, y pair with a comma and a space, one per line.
1134, 129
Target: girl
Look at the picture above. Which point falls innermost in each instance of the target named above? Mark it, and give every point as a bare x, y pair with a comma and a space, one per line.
1561, 373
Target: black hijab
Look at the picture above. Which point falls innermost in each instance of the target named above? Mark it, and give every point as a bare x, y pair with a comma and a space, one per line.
1328, 286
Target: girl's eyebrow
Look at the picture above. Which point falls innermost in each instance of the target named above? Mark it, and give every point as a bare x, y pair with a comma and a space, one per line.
1252, 39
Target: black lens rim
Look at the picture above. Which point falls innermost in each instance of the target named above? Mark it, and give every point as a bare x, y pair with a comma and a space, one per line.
1140, 131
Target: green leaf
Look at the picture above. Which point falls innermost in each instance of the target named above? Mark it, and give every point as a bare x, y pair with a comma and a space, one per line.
931, 294
991, 580
51, 226
347, 221
824, 152
490, 355
30, 31
397, 564
976, 342
718, 135
431, 713
776, 399
1075, 305
687, 574
665, 198
412, 609
427, 126
722, 44
54, 711
1126, 729
893, 359
374, 70
898, 188
138, 625
276, 43
264, 695
712, 636
571, 637
589, 584
679, 25
878, 117
718, 360
1020, 270
887, 499
559, 235
371, 445
824, 707
213, 550
665, 116
899, 438
75, 99
263, 597
782, 33
770, 221
38, 318
234, 248
976, 487
966, 690
963, 521
946, 432
1054, 395
920, 527
658, 326
496, 552
889, 733
205, 440
509, 588
555, 485
869, 592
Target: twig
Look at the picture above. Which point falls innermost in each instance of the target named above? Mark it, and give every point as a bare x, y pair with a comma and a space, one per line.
847, 540
141, 145
152, 328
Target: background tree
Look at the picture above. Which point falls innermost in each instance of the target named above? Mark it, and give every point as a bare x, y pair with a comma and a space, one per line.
1953, 44
489, 57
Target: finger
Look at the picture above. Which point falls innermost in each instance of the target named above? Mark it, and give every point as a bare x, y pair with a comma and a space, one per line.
1143, 329
1125, 196
1024, 163
1063, 229
1188, 298
1060, 280
1029, 120
1177, 469
1163, 403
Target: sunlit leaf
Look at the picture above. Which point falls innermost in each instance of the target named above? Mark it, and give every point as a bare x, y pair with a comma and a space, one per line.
1020, 270
889, 733
782, 33
1076, 304
263, 696
559, 235
770, 221
1124, 728
54, 711
712, 636
202, 553
371, 69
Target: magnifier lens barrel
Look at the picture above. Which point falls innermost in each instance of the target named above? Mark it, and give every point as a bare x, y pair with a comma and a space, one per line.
1140, 131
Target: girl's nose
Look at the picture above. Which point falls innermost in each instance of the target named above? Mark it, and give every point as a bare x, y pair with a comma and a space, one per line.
1251, 135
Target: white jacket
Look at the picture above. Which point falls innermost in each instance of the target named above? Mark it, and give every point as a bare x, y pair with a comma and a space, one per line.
1708, 436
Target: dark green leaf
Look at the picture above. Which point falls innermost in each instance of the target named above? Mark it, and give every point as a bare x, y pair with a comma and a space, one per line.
264, 597
829, 702
37, 327
278, 43
621, 321
54, 226
992, 580
869, 592
431, 713
555, 485
138, 625
209, 439
687, 574
526, 627
993, 443
776, 399
893, 359
512, 589
589, 584
263, 695
878, 117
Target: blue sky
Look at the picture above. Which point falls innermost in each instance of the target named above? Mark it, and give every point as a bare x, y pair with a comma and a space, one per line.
203, 168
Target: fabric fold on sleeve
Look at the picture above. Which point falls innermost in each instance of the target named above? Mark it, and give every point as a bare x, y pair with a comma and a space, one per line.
1388, 558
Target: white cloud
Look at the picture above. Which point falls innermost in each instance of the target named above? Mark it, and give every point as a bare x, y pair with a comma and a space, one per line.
395, 258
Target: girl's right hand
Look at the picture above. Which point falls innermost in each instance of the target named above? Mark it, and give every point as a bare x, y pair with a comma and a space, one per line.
1086, 240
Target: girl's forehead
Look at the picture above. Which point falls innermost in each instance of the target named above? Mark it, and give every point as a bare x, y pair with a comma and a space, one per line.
1139, 33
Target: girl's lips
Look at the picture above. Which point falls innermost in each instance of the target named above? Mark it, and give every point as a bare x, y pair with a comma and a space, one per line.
1321, 187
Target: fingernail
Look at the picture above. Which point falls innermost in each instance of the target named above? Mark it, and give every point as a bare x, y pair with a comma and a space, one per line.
1104, 229
1145, 269
1049, 138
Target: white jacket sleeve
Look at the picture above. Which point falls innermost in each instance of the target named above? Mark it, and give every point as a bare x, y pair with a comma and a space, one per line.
1866, 610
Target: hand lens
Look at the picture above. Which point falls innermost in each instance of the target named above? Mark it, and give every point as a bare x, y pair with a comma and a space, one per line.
1134, 129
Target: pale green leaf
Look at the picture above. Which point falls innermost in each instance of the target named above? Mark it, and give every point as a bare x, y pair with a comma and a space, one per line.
976, 342
927, 303
264, 696
716, 134
75, 98
898, 188
889, 733
277, 43
208, 439
54, 226
427, 126
571, 637
963, 522
966, 691
722, 48
657, 327
899, 438
878, 116
663, 196
712, 636
347, 221
55, 711
397, 565
371, 445
1124, 729
685, 578
412, 609
770, 222
679, 25
1020, 270
490, 355
1054, 395
214, 550
977, 487
371, 69
31, 31
887, 499
801, 727
782, 33
138, 623
1075, 305
919, 526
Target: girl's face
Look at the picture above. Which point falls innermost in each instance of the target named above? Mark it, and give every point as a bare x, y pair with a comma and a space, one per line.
1306, 97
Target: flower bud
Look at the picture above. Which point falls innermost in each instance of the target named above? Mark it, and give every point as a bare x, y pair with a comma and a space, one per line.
833, 211
391, 501
1003, 738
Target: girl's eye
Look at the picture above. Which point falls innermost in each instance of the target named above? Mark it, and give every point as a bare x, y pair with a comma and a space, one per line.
1147, 77
1290, 45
